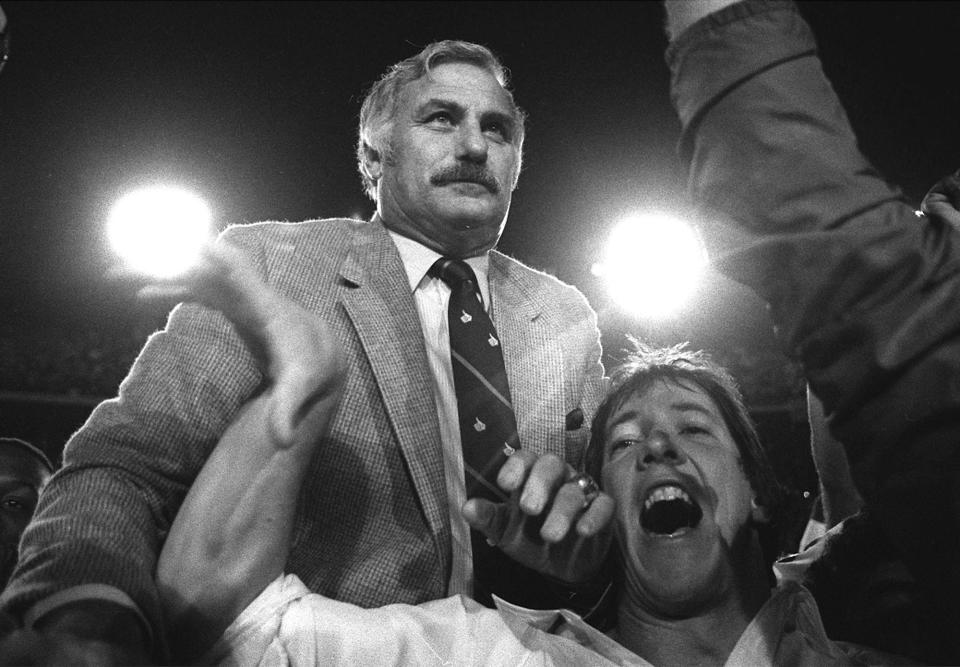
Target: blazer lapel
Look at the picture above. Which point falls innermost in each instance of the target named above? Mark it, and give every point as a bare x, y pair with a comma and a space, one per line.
381, 307
532, 353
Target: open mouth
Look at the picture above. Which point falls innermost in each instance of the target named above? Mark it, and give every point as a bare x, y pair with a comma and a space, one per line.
669, 510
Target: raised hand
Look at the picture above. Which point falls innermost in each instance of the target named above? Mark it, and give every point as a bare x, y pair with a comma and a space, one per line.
297, 352
232, 534
552, 523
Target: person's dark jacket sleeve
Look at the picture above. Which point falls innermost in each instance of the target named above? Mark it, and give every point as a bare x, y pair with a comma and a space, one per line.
862, 289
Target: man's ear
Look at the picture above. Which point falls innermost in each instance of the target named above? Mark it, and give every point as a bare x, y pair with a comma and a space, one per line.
372, 162
758, 512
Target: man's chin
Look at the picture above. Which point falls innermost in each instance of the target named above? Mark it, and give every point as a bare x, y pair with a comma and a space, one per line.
464, 211
473, 231
470, 242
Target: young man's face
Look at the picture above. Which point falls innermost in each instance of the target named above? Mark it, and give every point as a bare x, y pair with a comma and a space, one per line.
21, 478
683, 498
453, 161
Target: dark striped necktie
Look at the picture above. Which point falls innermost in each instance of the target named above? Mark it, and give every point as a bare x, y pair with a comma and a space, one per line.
488, 430
488, 427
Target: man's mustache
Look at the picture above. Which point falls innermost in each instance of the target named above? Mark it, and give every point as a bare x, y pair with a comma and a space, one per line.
467, 172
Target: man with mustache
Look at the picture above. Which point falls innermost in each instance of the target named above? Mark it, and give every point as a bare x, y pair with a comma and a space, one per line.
378, 519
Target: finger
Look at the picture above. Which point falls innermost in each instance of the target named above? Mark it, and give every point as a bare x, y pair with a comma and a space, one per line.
546, 476
302, 402
514, 472
234, 267
224, 279
281, 422
296, 417
568, 505
950, 186
290, 393
486, 517
937, 207
598, 516
933, 202
945, 194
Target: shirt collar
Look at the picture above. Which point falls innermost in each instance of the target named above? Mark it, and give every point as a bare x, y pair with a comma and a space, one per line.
565, 623
418, 258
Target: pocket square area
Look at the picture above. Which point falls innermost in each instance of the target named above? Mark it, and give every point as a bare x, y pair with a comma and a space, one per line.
574, 419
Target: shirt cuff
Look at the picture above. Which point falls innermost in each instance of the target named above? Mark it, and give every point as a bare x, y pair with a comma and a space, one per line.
86, 592
736, 36
252, 631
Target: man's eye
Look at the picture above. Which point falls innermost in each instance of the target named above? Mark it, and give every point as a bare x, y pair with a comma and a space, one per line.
497, 129
440, 118
14, 504
693, 429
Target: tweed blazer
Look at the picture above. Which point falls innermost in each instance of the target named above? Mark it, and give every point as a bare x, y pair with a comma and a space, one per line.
372, 523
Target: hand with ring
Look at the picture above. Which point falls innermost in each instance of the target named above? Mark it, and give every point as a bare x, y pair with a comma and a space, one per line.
587, 486
557, 520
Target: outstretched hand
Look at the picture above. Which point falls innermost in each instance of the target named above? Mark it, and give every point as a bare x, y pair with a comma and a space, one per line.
943, 200
298, 353
548, 524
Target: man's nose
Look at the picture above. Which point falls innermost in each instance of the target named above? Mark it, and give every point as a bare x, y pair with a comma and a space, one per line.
659, 447
471, 144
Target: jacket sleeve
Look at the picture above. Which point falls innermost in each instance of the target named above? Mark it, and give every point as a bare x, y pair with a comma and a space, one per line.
101, 521
863, 291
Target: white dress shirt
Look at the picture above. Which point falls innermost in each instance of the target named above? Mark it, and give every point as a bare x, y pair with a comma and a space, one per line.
432, 296
288, 625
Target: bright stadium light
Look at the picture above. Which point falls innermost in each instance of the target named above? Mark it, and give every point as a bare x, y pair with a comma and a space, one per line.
159, 230
652, 264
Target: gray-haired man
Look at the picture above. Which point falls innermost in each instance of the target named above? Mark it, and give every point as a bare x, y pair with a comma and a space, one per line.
379, 517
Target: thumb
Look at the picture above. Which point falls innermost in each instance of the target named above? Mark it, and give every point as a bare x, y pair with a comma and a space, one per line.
281, 419
300, 406
294, 395
943, 199
486, 517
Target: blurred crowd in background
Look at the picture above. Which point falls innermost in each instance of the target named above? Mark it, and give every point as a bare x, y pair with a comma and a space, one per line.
89, 361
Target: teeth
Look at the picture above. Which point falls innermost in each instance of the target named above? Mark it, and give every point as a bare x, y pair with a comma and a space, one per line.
662, 493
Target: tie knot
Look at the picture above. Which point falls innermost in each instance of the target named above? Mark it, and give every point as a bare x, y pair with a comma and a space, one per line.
454, 272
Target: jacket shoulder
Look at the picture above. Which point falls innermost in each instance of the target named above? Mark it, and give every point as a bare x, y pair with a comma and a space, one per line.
298, 256
536, 282
328, 230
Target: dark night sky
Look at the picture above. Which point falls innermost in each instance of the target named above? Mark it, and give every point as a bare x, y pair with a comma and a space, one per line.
253, 106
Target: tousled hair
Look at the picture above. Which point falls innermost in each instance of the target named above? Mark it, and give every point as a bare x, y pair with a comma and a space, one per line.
382, 101
648, 365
